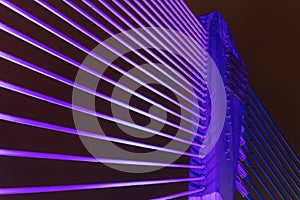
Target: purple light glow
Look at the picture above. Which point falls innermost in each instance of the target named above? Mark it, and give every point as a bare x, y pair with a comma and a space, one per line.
187, 28
64, 157
198, 37
192, 18
278, 137
96, 56
268, 155
241, 187
194, 45
191, 57
181, 194
42, 189
92, 6
102, 14
80, 28
199, 78
78, 65
283, 164
88, 90
58, 102
180, 9
34, 123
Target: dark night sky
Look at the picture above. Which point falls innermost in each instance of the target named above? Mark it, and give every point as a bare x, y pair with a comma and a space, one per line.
266, 34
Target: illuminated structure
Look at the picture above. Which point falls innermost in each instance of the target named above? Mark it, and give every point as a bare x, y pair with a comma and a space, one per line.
151, 68
221, 162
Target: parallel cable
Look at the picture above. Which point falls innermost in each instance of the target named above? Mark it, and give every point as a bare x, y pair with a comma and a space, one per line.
88, 159
88, 70
162, 34
68, 82
96, 56
104, 15
266, 174
244, 158
282, 138
71, 106
72, 131
62, 188
268, 155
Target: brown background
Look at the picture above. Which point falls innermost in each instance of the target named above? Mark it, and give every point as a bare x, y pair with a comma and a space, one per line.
266, 34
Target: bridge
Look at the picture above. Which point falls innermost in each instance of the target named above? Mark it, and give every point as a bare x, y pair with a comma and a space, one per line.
132, 100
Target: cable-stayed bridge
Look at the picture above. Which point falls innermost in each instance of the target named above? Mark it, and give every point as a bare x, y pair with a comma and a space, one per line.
132, 100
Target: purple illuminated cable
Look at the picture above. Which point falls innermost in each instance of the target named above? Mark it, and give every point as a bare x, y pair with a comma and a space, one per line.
181, 194
192, 17
199, 37
241, 187
169, 15
267, 167
82, 12
104, 15
266, 163
279, 154
266, 117
243, 174
147, 20
266, 124
179, 9
192, 44
62, 16
199, 78
62, 188
83, 67
243, 158
155, 38
61, 79
182, 18
201, 55
76, 158
80, 28
53, 127
68, 105
154, 10
196, 57
96, 56
268, 155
